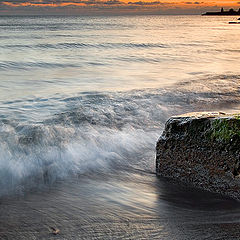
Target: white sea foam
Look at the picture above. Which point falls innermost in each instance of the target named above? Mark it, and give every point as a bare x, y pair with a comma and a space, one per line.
90, 132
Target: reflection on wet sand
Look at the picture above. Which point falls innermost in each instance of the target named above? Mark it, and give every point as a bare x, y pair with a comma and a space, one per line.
119, 206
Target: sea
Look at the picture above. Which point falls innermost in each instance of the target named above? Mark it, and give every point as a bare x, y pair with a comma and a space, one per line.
83, 101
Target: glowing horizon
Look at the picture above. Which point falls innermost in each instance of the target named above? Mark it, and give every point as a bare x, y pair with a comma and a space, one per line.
114, 6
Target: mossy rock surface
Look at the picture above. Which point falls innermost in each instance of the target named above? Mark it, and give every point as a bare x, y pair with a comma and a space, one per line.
226, 129
202, 149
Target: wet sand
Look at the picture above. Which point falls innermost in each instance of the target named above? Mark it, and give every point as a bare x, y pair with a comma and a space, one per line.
114, 206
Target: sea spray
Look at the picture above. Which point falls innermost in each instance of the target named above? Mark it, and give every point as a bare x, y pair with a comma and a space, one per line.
32, 156
43, 140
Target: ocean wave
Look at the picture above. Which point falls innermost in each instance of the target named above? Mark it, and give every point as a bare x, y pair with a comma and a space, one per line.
73, 45
95, 131
29, 65
35, 155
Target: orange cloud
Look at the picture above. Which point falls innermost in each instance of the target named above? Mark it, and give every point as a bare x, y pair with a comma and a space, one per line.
155, 6
136, 2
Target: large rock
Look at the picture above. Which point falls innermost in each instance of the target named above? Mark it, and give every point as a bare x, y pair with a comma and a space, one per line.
202, 149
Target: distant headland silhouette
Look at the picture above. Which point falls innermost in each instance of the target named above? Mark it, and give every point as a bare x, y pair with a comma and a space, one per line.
230, 12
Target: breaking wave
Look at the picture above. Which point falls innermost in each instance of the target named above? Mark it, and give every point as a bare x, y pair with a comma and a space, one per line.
43, 140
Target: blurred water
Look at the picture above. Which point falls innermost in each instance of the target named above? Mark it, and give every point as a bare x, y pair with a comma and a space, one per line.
86, 98
43, 56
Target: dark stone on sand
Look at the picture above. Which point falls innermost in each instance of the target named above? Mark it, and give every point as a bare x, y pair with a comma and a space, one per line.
203, 150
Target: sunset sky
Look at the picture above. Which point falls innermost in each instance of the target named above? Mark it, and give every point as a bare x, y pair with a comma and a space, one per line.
112, 6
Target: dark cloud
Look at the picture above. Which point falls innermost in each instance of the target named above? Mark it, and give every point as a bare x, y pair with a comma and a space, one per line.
141, 3
58, 2
113, 2
194, 3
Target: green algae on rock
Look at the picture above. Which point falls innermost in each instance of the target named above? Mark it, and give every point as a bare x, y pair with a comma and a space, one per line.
202, 149
226, 129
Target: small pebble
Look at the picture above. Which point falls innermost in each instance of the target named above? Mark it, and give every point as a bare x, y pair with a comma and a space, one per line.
55, 231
